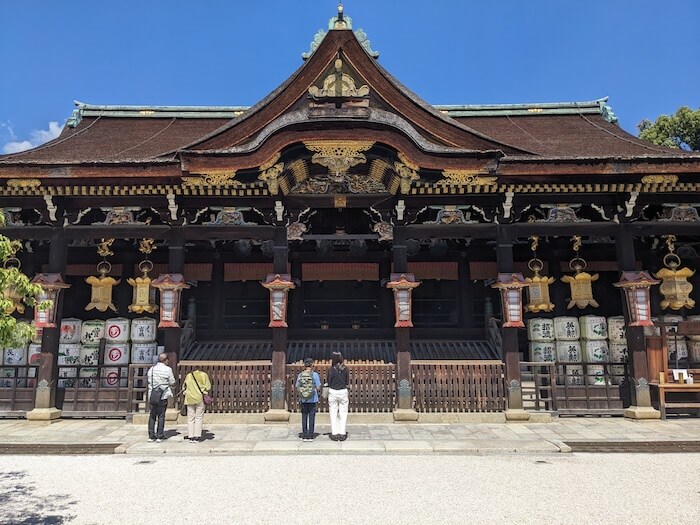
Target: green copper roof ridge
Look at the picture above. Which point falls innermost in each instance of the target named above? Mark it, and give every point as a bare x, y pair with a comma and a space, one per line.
184, 109
524, 105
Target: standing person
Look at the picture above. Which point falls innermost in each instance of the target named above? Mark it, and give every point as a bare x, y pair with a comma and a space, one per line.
338, 379
308, 385
197, 385
160, 379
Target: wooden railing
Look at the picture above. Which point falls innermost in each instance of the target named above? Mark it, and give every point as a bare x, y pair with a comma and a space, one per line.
17, 384
372, 386
101, 391
458, 386
237, 386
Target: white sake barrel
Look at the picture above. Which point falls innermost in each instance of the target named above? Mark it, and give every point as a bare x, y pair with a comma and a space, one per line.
14, 356
541, 351
89, 354
111, 377
617, 352
116, 354
573, 375
143, 353
596, 351
33, 355
66, 376
92, 331
143, 330
70, 331
616, 329
596, 375
69, 354
540, 329
12, 377
566, 329
693, 319
37, 333
117, 330
672, 318
650, 331
593, 327
569, 351
617, 374
694, 352
679, 346
88, 377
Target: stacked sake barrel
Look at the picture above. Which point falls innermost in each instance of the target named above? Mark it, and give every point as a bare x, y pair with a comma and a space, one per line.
567, 332
693, 344
617, 347
540, 333
143, 341
69, 347
19, 357
594, 335
116, 356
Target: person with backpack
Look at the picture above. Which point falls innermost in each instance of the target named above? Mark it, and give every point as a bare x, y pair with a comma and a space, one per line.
338, 379
197, 388
160, 379
308, 385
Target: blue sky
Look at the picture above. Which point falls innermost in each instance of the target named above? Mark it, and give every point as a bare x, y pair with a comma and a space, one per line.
643, 54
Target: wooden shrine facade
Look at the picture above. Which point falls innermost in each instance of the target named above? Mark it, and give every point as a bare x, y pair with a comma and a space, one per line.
340, 178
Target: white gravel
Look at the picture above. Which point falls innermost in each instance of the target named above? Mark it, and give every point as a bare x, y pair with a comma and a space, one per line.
566, 489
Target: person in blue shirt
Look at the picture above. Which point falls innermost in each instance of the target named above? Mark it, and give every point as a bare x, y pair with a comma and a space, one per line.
308, 385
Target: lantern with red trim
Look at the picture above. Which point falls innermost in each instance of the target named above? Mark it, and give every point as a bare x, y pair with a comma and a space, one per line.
170, 286
51, 286
279, 286
636, 286
403, 285
511, 286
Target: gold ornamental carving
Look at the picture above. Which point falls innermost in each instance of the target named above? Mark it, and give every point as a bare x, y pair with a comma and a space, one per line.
270, 172
24, 183
212, 178
339, 85
466, 178
660, 179
338, 156
407, 172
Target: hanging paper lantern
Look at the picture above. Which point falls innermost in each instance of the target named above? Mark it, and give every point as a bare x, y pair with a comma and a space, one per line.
403, 285
170, 286
511, 286
51, 285
279, 286
636, 286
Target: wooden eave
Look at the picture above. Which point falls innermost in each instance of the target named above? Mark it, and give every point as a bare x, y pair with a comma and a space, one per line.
420, 114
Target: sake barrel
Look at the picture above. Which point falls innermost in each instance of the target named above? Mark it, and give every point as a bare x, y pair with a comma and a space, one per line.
66, 376
694, 319
33, 355
111, 377
8, 377
617, 352
616, 329
617, 374
15, 356
596, 351
89, 354
92, 331
679, 346
650, 331
70, 331
566, 329
672, 318
117, 330
87, 377
573, 375
541, 351
540, 329
116, 354
694, 351
69, 354
143, 330
569, 351
143, 353
593, 327
595, 374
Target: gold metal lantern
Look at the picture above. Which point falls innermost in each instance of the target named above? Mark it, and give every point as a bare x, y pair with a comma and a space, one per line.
537, 285
674, 282
581, 282
101, 293
144, 294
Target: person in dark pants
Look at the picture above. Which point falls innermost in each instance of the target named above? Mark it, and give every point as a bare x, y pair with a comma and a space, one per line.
160, 379
308, 386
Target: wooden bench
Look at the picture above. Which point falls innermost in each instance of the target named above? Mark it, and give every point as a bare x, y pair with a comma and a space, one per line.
673, 388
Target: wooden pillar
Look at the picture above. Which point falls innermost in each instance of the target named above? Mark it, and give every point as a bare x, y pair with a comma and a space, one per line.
636, 345
47, 374
176, 264
216, 292
278, 410
404, 393
511, 352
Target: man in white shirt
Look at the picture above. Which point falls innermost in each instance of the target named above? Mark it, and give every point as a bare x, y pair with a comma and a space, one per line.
160, 379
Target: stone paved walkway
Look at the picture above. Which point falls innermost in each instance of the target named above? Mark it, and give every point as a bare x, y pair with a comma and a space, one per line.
397, 438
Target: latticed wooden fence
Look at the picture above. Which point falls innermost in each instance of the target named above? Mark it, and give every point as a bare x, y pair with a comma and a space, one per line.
17, 389
372, 386
458, 386
237, 386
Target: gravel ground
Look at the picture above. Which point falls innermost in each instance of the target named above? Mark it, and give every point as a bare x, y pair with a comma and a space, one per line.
551, 489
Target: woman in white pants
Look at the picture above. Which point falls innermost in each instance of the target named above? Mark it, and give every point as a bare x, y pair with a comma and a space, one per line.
338, 397
197, 384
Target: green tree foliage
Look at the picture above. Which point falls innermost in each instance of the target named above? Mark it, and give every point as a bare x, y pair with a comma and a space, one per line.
15, 289
681, 130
